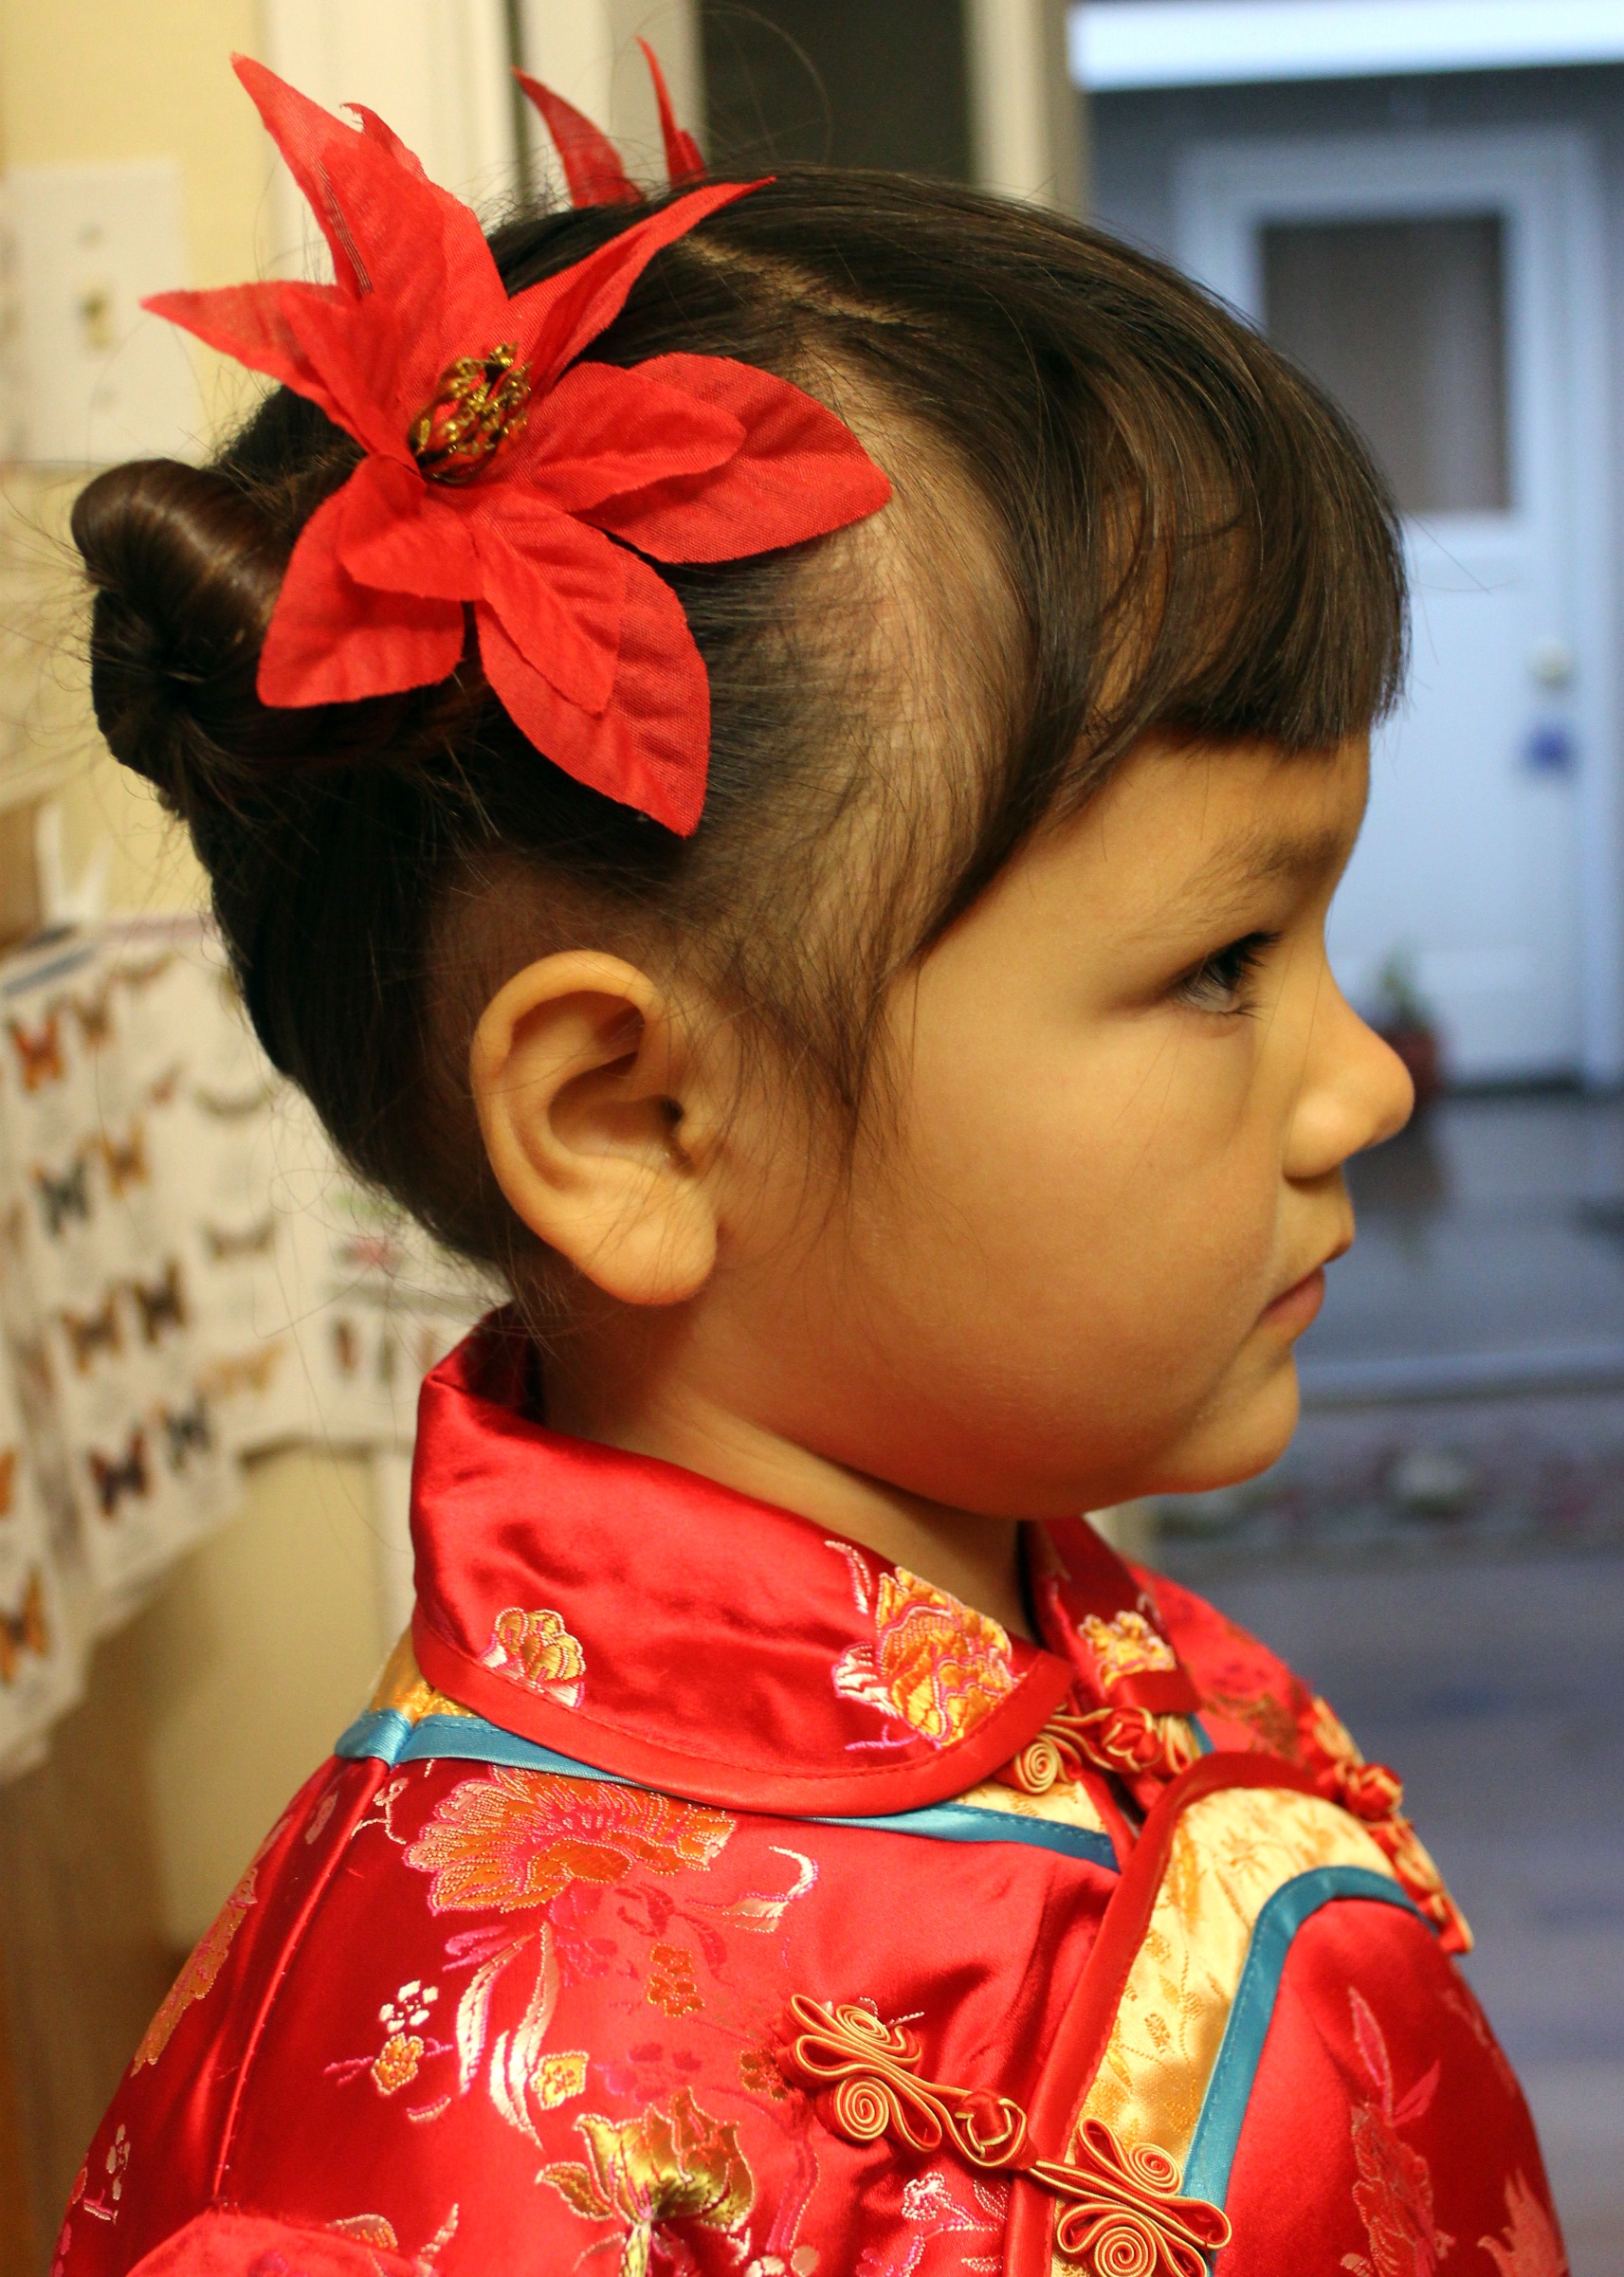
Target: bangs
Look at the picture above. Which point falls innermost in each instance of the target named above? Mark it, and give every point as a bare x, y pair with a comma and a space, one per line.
1259, 590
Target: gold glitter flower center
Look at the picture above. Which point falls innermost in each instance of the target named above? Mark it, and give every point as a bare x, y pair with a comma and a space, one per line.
479, 405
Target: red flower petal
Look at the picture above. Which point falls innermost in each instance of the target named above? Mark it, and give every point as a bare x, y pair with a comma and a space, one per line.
649, 748
591, 162
604, 430
800, 473
394, 534
250, 322
559, 589
356, 352
684, 160
556, 318
331, 641
394, 237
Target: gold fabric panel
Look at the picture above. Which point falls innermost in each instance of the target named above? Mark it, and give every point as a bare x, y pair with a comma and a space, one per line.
1232, 1851
407, 1691
1067, 1803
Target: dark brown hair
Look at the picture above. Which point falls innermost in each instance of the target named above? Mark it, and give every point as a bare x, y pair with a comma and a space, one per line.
1179, 532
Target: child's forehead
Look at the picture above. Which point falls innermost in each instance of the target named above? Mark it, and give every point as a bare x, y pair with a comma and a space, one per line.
1211, 825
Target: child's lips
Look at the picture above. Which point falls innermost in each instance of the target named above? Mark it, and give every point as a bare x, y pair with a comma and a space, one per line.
1296, 1308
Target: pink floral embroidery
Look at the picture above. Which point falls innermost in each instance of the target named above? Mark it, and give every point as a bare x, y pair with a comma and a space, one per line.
1394, 2192
935, 1664
1530, 2246
534, 1649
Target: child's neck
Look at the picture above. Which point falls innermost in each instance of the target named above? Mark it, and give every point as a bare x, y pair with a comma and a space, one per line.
976, 1558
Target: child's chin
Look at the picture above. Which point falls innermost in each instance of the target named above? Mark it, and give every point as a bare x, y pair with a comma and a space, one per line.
1237, 1439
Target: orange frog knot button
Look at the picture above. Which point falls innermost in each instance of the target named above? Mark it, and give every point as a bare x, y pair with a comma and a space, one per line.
1370, 1791
1122, 2213
1131, 1741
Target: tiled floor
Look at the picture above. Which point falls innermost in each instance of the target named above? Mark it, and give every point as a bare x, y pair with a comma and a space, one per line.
1442, 1552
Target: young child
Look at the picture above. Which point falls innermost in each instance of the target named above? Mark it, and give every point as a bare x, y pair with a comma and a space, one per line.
790, 1840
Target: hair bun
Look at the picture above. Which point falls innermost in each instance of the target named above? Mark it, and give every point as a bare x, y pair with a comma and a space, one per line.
186, 571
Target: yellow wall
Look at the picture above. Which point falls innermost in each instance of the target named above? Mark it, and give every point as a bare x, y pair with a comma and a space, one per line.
262, 1647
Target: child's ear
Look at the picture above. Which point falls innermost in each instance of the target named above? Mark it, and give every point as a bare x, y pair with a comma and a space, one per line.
587, 1095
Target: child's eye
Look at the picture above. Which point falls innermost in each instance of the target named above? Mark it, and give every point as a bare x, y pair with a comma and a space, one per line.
1219, 983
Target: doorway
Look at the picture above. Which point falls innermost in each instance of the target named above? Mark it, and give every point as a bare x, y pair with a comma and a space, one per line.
1450, 291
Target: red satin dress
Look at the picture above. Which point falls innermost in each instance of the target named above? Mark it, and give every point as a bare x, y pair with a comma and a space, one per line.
701, 1893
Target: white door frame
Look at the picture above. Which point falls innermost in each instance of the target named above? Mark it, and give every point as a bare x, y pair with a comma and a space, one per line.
1223, 192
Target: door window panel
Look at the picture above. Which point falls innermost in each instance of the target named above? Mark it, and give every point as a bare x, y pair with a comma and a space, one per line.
1404, 322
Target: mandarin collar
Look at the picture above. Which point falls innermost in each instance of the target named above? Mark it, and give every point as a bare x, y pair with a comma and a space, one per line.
648, 1621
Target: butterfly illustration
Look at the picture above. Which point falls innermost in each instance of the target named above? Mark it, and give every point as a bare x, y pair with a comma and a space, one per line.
36, 1382
24, 1631
118, 1475
224, 1241
142, 976
188, 1430
243, 1371
95, 1017
92, 1332
161, 1303
126, 1158
225, 1108
7, 1480
39, 1052
62, 1197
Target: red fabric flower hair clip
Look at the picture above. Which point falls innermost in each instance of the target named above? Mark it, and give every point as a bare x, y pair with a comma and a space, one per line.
507, 477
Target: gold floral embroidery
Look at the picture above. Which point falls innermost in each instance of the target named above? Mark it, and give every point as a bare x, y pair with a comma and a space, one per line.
1126, 1646
534, 1649
937, 1666
196, 1978
397, 2064
561, 2077
1530, 2246
404, 2050
514, 1839
672, 1984
761, 2073
680, 2166
399, 2060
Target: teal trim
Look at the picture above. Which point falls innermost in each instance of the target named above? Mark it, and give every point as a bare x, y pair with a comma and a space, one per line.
385, 1736
1229, 2090
968, 1822
388, 1736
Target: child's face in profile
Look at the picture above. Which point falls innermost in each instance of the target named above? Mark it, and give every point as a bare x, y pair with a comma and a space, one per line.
1076, 1269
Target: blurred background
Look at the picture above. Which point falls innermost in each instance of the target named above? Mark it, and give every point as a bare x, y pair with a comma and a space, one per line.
212, 1339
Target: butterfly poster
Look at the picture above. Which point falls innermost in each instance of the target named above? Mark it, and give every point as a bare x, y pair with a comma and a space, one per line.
188, 1275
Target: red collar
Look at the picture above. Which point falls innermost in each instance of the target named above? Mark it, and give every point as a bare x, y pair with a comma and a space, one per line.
649, 1622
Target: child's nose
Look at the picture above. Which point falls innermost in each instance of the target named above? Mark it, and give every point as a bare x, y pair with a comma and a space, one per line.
1356, 1092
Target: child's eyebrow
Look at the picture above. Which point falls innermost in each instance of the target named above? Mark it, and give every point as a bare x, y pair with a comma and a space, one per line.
1269, 855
